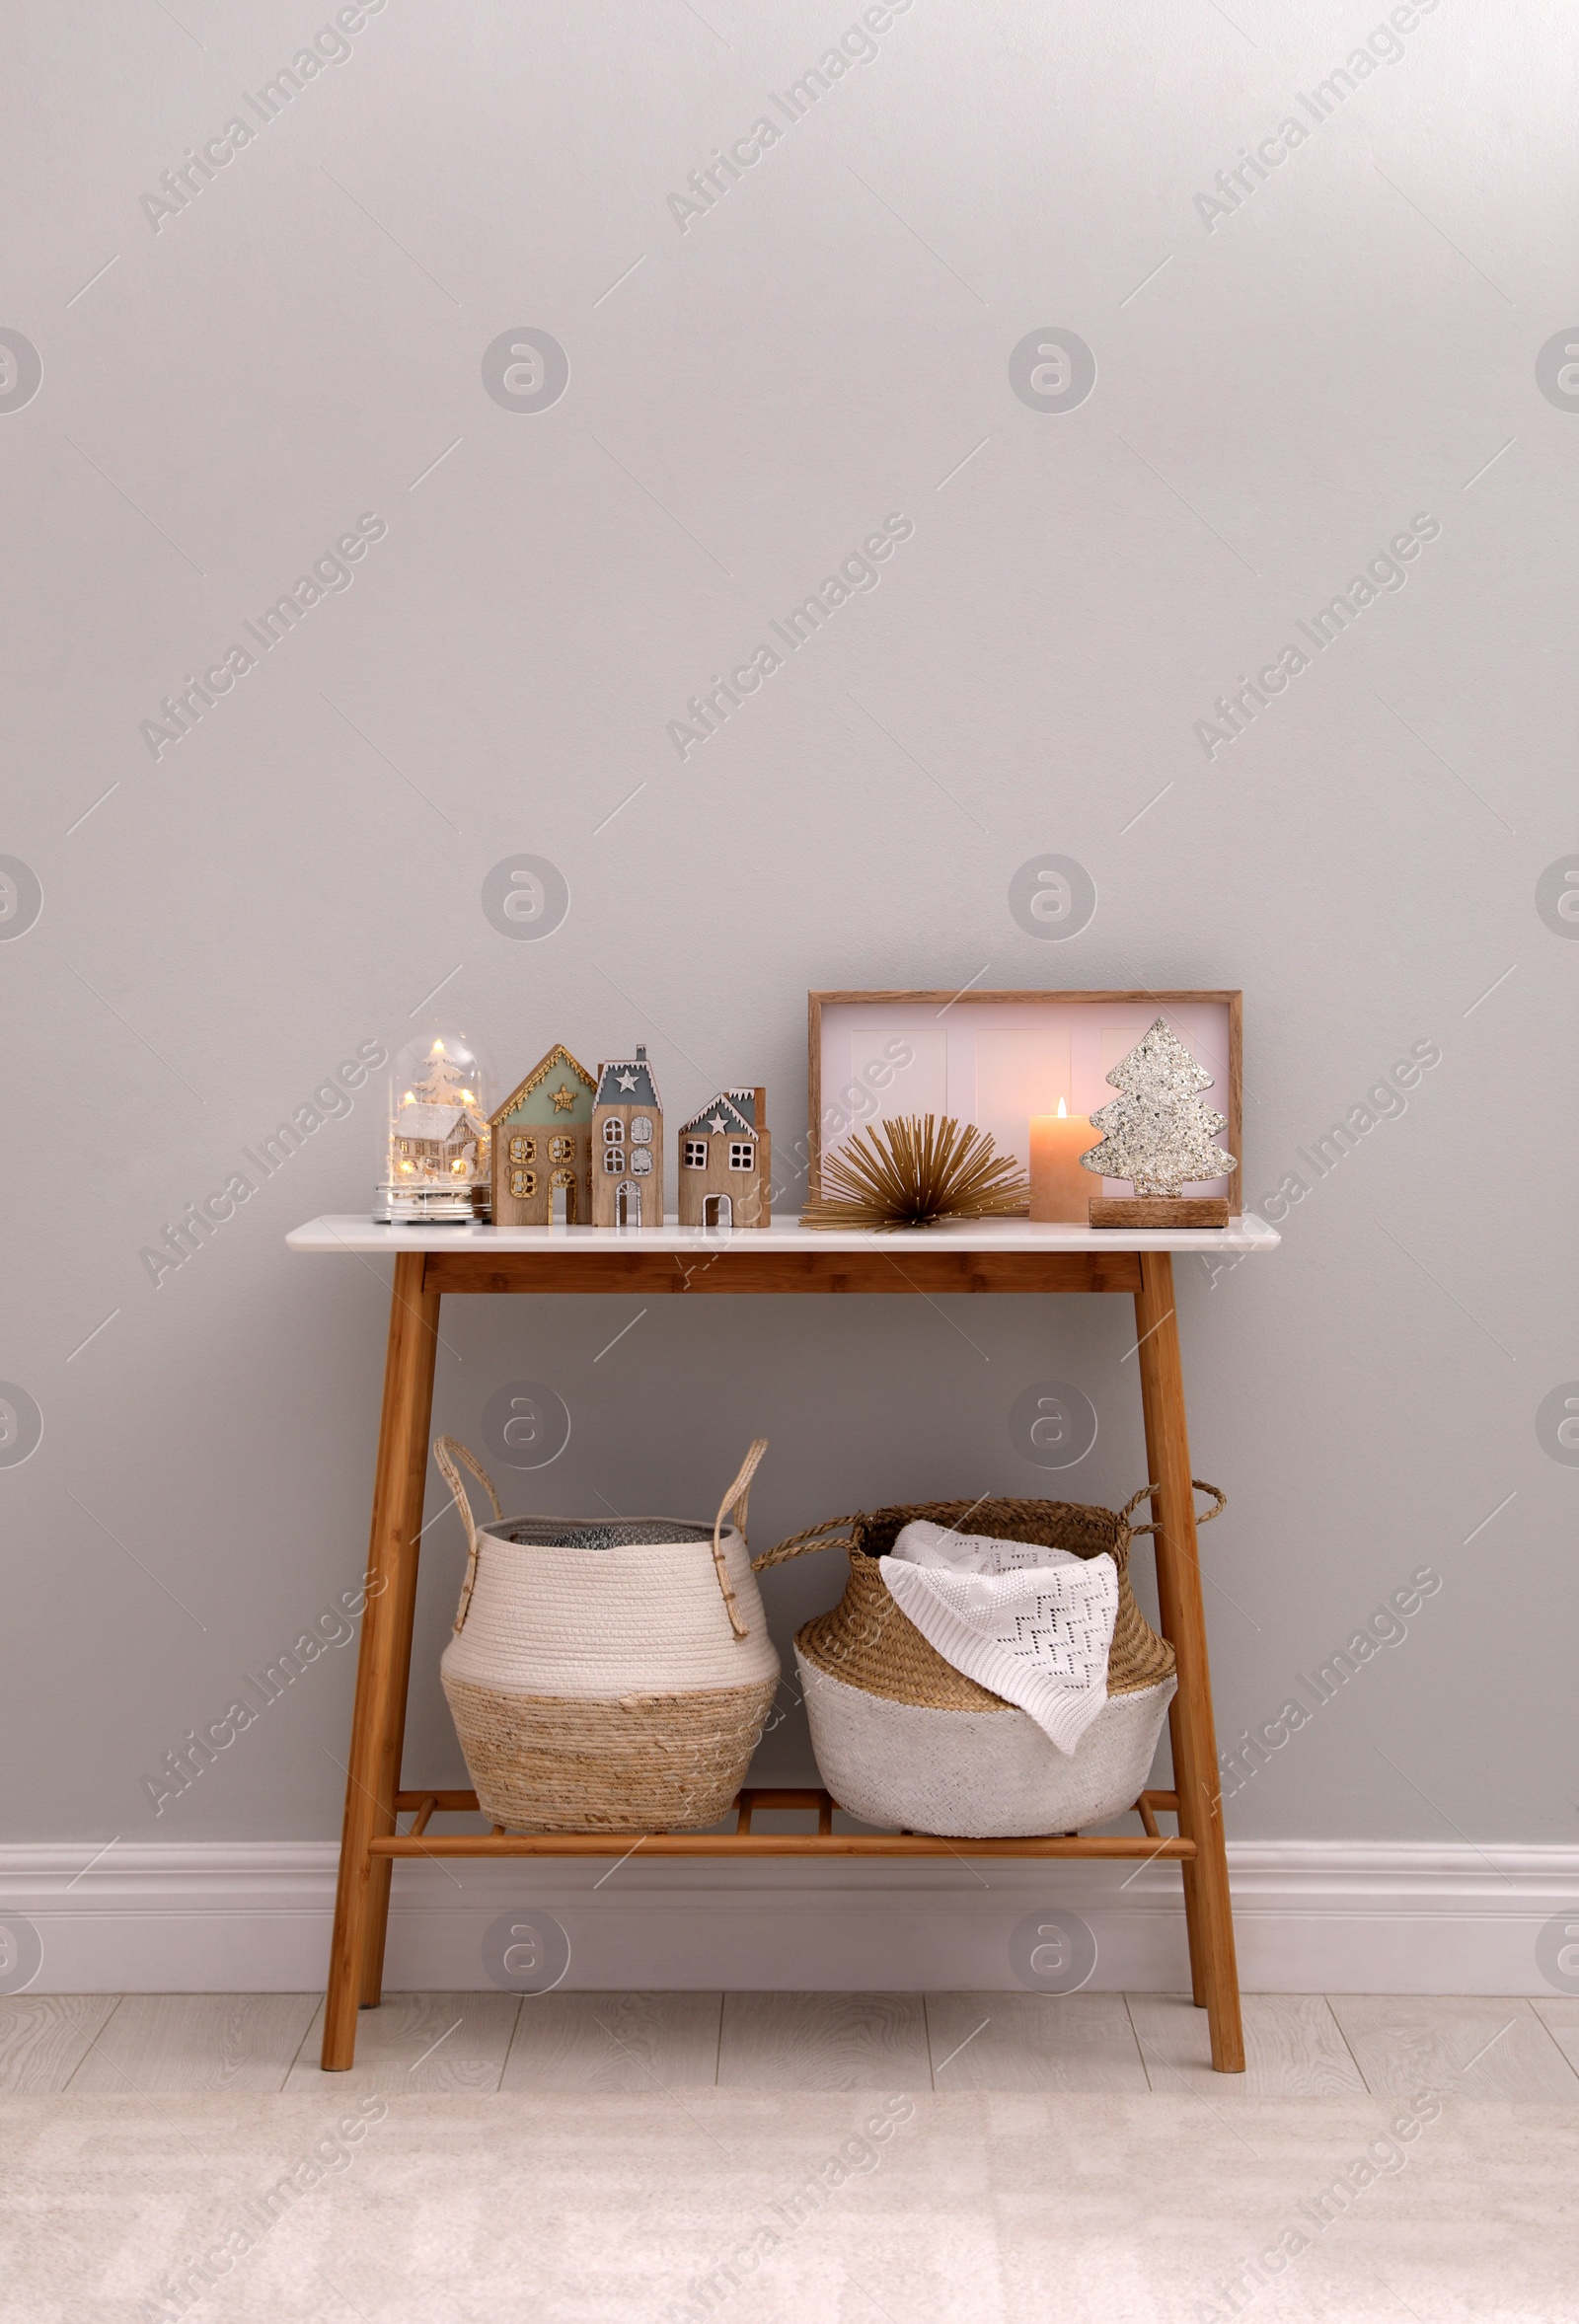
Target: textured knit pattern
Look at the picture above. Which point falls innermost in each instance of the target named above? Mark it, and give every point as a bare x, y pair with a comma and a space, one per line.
548, 1533
867, 1642
1030, 1622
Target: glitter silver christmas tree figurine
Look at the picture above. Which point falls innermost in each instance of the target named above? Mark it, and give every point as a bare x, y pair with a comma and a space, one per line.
1158, 1134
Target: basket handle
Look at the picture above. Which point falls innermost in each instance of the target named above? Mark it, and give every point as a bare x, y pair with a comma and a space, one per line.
446, 1451
737, 1499
801, 1545
1202, 1517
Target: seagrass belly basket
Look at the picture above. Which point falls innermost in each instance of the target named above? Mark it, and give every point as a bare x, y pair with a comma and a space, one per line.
905, 1740
607, 1676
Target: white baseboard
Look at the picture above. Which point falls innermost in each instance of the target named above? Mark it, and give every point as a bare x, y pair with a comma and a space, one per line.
1311, 1915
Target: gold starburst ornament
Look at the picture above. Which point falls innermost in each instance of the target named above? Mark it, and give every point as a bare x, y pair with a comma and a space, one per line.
914, 1173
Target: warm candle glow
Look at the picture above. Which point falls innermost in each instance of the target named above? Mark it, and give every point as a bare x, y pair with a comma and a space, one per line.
1060, 1190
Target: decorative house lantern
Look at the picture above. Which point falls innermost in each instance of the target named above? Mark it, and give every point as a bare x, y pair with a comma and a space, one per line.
724, 1163
438, 1145
543, 1146
627, 1145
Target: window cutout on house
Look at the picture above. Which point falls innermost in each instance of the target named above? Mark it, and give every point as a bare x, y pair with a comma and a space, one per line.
561, 1150
522, 1150
523, 1183
614, 1131
641, 1131
695, 1154
642, 1164
741, 1157
613, 1163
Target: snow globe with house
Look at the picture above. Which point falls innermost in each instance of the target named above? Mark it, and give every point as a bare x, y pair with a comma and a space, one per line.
440, 1092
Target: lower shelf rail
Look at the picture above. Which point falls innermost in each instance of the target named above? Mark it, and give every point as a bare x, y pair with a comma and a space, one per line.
747, 1841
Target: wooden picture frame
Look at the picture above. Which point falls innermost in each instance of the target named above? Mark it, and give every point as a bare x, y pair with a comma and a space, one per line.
1228, 1072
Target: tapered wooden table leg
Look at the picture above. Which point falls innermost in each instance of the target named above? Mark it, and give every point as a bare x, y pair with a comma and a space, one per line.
1214, 1969
1192, 1909
378, 1721
402, 1614
376, 1926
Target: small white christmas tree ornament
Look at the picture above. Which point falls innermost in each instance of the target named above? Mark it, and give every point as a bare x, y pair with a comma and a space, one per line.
1157, 1133
447, 1079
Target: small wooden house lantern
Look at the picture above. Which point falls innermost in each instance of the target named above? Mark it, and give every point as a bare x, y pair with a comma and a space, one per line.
726, 1162
543, 1145
627, 1145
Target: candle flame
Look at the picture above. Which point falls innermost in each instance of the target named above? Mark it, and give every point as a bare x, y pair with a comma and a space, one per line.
1063, 1110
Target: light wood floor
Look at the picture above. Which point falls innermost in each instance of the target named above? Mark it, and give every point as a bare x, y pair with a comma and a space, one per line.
1299, 2045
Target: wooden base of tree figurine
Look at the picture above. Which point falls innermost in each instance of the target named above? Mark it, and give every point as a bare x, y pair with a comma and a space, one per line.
1158, 1210
1159, 1135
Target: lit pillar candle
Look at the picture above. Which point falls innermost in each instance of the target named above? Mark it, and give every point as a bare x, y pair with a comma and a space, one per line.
1059, 1188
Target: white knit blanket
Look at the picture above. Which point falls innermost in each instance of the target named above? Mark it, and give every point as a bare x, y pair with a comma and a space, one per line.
1031, 1623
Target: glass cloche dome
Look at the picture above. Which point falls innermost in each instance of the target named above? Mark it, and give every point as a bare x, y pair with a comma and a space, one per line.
440, 1096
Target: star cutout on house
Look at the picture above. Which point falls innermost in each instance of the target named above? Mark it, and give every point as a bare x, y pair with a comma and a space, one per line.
627, 1081
717, 1124
563, 1098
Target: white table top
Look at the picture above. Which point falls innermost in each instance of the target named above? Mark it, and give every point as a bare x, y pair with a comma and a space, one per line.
361, 1236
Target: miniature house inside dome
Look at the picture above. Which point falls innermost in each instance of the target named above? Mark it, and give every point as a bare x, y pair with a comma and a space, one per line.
440, 1093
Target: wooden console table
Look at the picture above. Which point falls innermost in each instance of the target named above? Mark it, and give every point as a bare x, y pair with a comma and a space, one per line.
999, 1256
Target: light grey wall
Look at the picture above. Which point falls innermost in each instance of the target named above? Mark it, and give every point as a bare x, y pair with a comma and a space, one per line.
1279, 391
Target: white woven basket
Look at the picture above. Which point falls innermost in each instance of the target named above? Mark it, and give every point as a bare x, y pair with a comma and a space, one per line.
988, 1775
904, 1738
605, 1682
